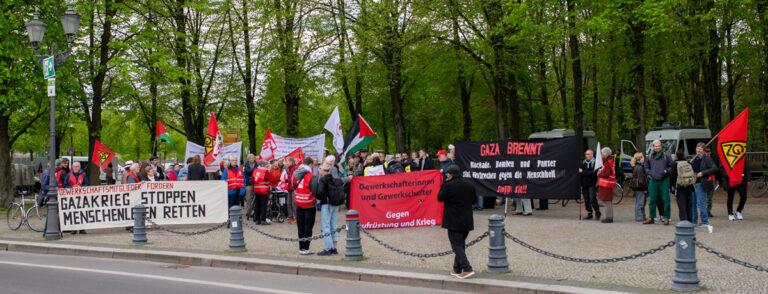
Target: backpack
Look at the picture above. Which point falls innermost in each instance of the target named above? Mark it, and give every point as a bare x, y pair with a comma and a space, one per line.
336, 194
685, 174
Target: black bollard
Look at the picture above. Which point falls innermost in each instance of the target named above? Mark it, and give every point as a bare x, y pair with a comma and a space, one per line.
686, 276
139, 228
354, 247
497, 250
236, 239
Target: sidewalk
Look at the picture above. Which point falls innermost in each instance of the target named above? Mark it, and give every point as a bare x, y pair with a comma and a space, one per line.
557, 230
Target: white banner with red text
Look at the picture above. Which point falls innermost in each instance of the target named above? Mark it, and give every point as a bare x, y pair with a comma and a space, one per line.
167, 203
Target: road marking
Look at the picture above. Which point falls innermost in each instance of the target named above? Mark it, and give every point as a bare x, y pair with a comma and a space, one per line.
171, 279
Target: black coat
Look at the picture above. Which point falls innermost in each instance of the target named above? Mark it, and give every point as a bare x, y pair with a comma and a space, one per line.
588, 174
424, 164
458, 195
159, 174
196, 172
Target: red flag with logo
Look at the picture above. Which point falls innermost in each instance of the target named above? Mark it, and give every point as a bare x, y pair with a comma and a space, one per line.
732, 147
101, 155
268, 147
213, 141
297, 154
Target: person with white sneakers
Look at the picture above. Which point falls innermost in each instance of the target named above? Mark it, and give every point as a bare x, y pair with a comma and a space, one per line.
742, 189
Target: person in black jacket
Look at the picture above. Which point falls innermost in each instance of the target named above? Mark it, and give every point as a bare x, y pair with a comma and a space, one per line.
588, 182
424, 162
196, 170
458, 195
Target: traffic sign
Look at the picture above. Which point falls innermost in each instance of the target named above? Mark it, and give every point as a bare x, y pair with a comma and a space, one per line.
51, 87
48, 67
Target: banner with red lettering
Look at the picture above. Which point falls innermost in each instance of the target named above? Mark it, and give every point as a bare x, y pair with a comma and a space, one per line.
540, 169
398, 200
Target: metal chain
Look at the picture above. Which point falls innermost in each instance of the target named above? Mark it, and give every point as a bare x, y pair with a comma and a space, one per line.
421, 255
208, 230
730, 258
589, 260
316, 237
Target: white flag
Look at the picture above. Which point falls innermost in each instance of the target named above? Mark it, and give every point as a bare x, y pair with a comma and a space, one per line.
598, 158
333, 125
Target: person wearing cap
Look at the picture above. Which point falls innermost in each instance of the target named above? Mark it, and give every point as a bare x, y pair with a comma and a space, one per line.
445, 162
458, 194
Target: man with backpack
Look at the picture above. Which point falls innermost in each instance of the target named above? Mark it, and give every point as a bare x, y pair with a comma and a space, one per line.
330, 195
684, 178
658, 167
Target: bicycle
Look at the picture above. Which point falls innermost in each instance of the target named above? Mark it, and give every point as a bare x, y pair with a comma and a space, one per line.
758, 186
34, 216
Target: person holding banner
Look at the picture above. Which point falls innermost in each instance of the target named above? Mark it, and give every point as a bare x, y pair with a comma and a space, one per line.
130, 173
76, 178
458, 195
731, 190
235, 182
588, 185
704, 167
62, 171
606, 181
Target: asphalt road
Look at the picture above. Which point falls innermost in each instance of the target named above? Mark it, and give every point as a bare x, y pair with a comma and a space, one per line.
25, 273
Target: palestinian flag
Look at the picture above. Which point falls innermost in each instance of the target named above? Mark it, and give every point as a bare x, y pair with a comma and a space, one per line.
358, 137
161, 133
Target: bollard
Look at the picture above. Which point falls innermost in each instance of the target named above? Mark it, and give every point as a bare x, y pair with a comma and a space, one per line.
497, 250
686, 277
139, 228
236, 239
354, 247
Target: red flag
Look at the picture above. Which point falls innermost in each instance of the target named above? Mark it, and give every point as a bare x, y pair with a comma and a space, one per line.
268, 147
213, 141
101, 155
297, 154
732, 147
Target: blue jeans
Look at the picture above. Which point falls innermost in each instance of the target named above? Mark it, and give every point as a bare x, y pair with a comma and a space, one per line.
639, 206
700, 204
328, 215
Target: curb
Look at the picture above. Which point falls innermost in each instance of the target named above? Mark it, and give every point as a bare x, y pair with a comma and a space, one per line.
424, 280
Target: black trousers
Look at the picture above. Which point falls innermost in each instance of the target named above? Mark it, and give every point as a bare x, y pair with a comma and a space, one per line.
684, 197
742, 189
260, 207
305, 221
590, 199
458, 241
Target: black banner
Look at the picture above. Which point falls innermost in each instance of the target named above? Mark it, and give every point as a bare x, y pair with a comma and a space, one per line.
539, 169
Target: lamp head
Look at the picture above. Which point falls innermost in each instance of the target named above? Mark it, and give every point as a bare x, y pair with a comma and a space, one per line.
36, 31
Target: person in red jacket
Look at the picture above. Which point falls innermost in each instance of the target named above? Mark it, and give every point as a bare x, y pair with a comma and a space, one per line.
61, 172
75, 178
303, 181
290, 168
606, 181
261, 184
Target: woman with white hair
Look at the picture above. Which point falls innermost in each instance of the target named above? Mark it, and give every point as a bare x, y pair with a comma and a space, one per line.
606, 181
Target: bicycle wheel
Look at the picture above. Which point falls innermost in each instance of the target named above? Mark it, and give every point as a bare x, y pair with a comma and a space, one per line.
14, 216
618, 194
36, 218
564, 202
553, 201
759, 187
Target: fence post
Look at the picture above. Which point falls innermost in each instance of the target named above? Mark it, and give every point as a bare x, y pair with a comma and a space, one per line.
236, 239
497, 250
354, 247
139, 228
686, 277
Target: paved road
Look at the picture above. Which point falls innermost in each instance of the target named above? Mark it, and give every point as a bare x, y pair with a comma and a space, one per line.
24, 273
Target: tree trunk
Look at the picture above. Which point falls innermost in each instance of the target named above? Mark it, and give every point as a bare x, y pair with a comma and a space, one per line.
762, 6
465, 90
711, 75
6, 167
561, 84
661, 98
544, 97
573, 43
181, 53
595, 95
248, 81
493, 11
393, 62
637, 43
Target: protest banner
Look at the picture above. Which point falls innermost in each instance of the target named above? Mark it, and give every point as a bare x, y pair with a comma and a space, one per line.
168, 203
312, 146
398, 200
537, 169
231, 149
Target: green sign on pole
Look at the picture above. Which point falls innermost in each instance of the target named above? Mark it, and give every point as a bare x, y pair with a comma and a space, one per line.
48, 67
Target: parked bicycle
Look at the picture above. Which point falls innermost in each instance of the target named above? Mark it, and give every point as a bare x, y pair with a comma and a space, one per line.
758, 185
34, 216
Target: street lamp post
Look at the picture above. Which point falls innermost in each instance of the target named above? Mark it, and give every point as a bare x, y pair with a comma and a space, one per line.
70, 20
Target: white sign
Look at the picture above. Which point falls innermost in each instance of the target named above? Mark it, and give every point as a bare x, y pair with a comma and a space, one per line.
231, 149
48, 67
167, 203
375, 171
313, 146
51, 87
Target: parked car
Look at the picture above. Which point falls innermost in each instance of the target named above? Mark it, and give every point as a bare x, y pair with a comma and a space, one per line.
674, 137
588, 141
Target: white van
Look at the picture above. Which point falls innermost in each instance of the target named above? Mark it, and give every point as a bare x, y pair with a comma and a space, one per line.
588, 141
674, 137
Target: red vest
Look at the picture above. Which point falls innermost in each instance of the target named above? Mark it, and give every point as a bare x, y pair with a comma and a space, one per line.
260, 182
303, 196
132, 175
234, 179
607, 176
75, 181
58, 178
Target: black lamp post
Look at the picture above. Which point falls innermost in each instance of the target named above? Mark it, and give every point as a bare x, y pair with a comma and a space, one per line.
70, 20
